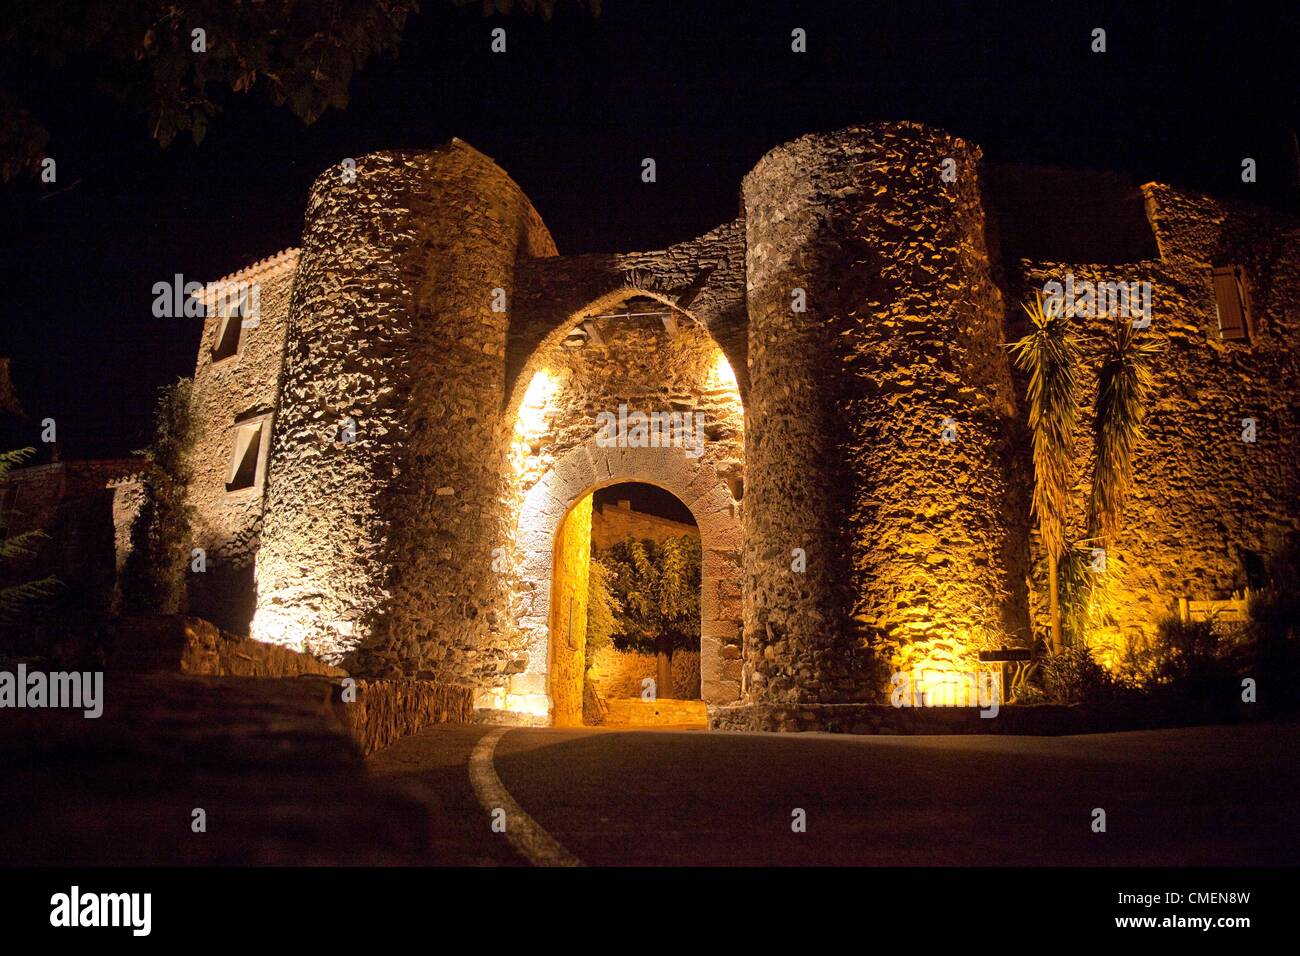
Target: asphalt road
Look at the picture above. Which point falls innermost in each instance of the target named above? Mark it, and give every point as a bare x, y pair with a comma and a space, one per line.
1195, 796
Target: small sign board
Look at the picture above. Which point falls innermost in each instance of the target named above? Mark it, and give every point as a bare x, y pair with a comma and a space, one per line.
1006, 654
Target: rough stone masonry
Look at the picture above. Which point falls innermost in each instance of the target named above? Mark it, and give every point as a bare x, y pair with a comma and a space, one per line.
423, 392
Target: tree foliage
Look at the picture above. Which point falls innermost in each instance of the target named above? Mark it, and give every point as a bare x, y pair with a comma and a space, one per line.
153, 578
643, 593
603, 608
300, 54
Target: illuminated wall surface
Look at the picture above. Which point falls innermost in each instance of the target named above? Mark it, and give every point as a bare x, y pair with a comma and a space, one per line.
828, 337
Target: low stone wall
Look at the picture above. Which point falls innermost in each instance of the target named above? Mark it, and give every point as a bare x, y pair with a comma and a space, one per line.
387, 710
382, 712
654, 713
191, 645
509, 718
1049, 720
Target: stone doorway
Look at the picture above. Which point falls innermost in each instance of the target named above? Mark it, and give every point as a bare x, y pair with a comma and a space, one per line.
555, 534
625, 620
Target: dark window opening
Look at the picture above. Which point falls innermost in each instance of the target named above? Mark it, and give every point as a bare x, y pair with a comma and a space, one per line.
227, 338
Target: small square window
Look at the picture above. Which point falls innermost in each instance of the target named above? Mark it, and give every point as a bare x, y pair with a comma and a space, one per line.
1232, 303
247, 464
227, 344
237, 309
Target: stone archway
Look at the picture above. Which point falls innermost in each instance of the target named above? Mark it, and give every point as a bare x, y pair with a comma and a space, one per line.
589, 467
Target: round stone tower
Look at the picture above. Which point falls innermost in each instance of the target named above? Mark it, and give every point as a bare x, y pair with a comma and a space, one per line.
879, 523
385, 495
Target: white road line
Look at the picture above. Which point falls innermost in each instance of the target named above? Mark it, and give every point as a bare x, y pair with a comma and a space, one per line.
524, 833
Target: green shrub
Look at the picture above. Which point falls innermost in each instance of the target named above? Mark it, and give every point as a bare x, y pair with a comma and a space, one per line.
1073, 676
153, 578
20, 599
1190, 658
1271, 652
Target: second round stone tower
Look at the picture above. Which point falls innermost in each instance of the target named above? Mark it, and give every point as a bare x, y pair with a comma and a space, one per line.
879, 510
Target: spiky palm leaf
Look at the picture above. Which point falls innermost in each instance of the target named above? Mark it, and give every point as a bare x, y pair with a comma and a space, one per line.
12, 459
19, 600
24, 545
1049, 354
1122, 386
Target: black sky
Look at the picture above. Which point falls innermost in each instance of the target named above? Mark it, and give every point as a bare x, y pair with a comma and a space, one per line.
1183, 93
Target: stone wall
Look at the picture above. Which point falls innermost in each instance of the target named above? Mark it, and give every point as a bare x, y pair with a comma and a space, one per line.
387, 551
703, 278
911, 541
379, 551
189, 645
635, 362
227, 392
614, 673
1205, 504
128, 500
385, 711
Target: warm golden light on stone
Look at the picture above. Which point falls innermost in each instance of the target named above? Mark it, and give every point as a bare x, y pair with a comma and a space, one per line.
722, 376
862, 513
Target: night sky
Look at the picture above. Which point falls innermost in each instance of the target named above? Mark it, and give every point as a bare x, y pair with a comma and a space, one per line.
1183, 93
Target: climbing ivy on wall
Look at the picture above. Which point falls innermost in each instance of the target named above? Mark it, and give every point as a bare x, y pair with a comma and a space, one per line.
153, 577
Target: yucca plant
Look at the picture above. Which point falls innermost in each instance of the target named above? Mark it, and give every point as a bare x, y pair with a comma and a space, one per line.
1076, 590
1122, 386
1048, 353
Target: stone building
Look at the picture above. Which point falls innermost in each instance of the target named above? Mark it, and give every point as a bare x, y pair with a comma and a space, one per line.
388, 453
620, 521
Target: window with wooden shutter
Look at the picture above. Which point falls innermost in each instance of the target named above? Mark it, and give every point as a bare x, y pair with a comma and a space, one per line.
1232, 303
246, 464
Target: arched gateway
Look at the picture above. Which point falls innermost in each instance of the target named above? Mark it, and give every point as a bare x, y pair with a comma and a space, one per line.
697, 484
